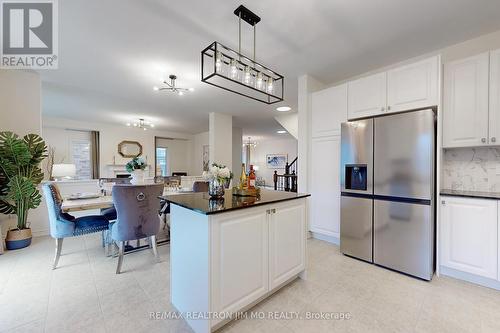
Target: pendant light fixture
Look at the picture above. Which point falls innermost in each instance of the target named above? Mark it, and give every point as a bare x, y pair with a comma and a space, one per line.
170, 86
232, 71
141, 124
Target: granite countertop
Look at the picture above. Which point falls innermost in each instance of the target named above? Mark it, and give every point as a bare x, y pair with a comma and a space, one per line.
471, 194
201, 202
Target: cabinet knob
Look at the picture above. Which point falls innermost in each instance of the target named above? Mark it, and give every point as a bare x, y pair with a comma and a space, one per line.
382, 109
493, 139
483, 140
389, 108
443, 202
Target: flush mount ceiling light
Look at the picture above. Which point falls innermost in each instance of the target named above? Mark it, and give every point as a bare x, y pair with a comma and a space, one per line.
172, 87
141, 124
283, 108
232, 71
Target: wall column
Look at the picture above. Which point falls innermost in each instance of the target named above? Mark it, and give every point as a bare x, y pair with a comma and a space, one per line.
221, 139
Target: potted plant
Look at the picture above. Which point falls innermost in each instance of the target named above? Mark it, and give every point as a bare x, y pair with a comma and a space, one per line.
136, 169
20, 174
219, 177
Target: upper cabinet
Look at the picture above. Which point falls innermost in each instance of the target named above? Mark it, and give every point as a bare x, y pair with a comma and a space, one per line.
329, 110
465, 103
494, 112
413, 86
408, 87
367, 96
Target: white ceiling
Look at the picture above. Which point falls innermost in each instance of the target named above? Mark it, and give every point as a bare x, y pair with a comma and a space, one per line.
111, 53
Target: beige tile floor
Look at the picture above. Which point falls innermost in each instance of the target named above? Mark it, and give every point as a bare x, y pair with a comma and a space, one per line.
85, 295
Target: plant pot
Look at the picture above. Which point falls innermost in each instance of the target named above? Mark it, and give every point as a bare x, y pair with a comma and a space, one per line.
18, 239
137, 177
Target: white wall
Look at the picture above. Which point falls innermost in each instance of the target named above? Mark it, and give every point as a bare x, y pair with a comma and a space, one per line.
179, 154
110, 136
279, 146
221, 138
20, 112
237, 146
199, 140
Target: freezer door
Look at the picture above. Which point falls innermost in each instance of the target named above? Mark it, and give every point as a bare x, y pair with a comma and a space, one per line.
404, 155
356, 227
403, 237
357, 157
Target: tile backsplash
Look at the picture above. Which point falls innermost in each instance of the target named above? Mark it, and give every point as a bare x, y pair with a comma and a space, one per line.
471, 169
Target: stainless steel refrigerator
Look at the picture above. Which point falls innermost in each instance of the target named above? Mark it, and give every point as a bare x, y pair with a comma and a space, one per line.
387, 191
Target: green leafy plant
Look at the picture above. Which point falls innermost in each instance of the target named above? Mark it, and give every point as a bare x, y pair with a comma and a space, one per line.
20, 173
136, 164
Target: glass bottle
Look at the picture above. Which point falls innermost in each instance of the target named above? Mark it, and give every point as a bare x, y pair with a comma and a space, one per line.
251, 178
243, 177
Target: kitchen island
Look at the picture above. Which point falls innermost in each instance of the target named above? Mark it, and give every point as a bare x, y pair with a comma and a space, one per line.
227, 255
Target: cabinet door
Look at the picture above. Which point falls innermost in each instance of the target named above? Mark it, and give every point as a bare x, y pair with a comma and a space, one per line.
468, 235
465, 103
367, 96
239, 259
413, 86
329, 110
325, 186
287, 237
494, 112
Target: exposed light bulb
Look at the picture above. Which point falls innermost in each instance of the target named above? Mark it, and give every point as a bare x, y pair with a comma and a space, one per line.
191, 89
155, 88
259, 81
270, 86
128, 124
135, 124
218, 61
180, 93
247, 78
233, 69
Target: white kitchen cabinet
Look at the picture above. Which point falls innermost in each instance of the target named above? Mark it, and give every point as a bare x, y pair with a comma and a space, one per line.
325, 186
465, 102
413, 86
367, 96
329, 110
468, 235
239, 259
287, 242
494, 111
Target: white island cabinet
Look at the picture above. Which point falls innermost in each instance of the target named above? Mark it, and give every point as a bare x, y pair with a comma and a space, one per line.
228, 255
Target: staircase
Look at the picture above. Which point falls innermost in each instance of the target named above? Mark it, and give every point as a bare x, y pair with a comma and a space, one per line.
287, 181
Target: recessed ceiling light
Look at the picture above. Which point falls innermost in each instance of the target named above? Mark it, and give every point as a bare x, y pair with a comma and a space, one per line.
281, 132
283, 108
191, 89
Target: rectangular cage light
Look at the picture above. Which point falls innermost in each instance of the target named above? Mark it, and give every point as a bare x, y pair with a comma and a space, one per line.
227, 69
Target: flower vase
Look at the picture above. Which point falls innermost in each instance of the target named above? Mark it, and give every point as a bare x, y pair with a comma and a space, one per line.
216, 189
137, 177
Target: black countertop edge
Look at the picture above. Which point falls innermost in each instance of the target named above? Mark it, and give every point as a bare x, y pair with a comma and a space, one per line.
471, 194
177, 200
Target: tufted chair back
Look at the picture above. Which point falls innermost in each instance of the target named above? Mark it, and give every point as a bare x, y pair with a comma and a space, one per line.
137, 211
61, 224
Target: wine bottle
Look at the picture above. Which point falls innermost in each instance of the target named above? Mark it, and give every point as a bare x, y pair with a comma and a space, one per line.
251, 178
243, 177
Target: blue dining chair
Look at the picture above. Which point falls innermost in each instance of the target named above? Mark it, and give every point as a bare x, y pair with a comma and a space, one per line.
137, 216
64, 225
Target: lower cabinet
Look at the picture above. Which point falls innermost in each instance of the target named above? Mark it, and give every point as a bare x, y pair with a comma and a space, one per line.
287, 243
469, 235
254, 251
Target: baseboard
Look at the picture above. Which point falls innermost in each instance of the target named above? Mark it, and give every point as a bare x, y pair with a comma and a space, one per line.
482, 281
326, 238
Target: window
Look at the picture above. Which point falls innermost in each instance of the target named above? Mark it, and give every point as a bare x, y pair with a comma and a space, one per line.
81, 157
161, 161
